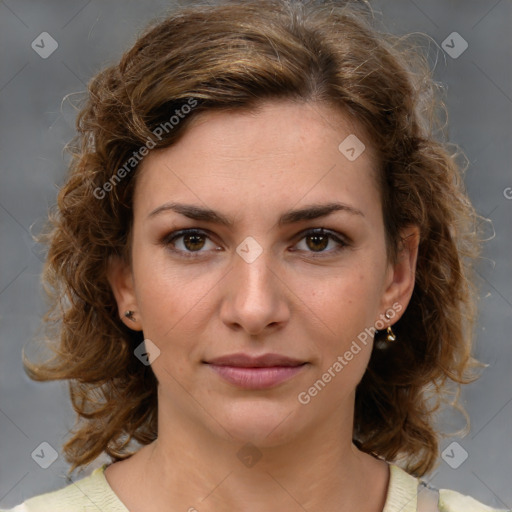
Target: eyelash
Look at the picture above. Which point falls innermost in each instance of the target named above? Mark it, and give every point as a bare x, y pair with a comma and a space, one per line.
342, 242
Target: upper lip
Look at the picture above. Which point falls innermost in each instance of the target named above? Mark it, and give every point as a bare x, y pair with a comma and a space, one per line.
247, 361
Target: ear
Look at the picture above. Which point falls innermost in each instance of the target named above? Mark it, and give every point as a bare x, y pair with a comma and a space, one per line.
402, 274
120, 278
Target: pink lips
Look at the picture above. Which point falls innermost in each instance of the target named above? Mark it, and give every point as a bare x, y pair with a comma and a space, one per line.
261, 372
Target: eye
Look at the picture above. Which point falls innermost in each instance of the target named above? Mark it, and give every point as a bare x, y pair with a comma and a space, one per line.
193, 242
317, 240
188, 242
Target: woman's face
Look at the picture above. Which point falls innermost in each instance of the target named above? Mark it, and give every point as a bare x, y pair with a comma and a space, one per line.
255, 276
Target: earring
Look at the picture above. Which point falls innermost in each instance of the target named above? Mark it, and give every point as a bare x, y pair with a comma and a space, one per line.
129, 314
391, 335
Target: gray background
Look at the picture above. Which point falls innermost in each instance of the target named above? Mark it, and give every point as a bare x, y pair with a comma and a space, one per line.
36, 123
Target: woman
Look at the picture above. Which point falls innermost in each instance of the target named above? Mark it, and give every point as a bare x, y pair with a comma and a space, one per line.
261, 270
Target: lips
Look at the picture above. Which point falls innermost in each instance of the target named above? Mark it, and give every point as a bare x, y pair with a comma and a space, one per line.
263, 361
262, 372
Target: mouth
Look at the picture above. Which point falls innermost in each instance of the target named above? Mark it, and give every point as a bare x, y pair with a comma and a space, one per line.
262, 372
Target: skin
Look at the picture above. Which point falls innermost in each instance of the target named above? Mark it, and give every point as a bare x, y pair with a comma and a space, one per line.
252, 168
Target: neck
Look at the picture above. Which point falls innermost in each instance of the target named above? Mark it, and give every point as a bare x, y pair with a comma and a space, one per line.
189, 468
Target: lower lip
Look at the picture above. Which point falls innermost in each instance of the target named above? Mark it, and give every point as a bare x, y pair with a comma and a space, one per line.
256, 378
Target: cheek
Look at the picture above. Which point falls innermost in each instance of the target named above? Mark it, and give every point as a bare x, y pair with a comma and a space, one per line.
173, 299
346, 304
346, 307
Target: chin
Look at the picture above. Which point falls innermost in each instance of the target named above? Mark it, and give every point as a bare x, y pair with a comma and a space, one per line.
261, 422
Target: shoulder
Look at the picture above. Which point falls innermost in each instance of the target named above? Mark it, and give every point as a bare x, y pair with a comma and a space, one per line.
407, 493
89, 494
453, 501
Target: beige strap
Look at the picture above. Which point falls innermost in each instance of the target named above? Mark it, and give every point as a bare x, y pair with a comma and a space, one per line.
428, 498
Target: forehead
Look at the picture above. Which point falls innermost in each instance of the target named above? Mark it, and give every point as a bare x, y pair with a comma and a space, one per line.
283, 152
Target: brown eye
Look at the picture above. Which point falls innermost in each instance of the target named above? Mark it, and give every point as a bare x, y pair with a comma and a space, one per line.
318, 240
193, 242
189, 242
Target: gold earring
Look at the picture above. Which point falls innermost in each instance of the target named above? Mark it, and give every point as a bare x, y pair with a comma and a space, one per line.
391, 335
129, 314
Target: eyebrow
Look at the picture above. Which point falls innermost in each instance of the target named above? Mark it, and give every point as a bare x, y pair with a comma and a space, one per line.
199, 213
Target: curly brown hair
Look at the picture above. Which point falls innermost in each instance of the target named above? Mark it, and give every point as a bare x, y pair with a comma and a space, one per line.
233, 56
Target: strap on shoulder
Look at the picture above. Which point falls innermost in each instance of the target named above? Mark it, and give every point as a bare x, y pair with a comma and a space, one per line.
428, 498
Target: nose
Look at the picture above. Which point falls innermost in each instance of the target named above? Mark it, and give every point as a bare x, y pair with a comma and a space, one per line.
255, 299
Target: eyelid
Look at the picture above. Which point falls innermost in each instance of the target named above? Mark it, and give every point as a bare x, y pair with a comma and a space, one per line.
324, 231
173, 235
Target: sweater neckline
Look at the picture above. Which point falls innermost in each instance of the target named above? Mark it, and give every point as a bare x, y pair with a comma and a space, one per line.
401, 494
